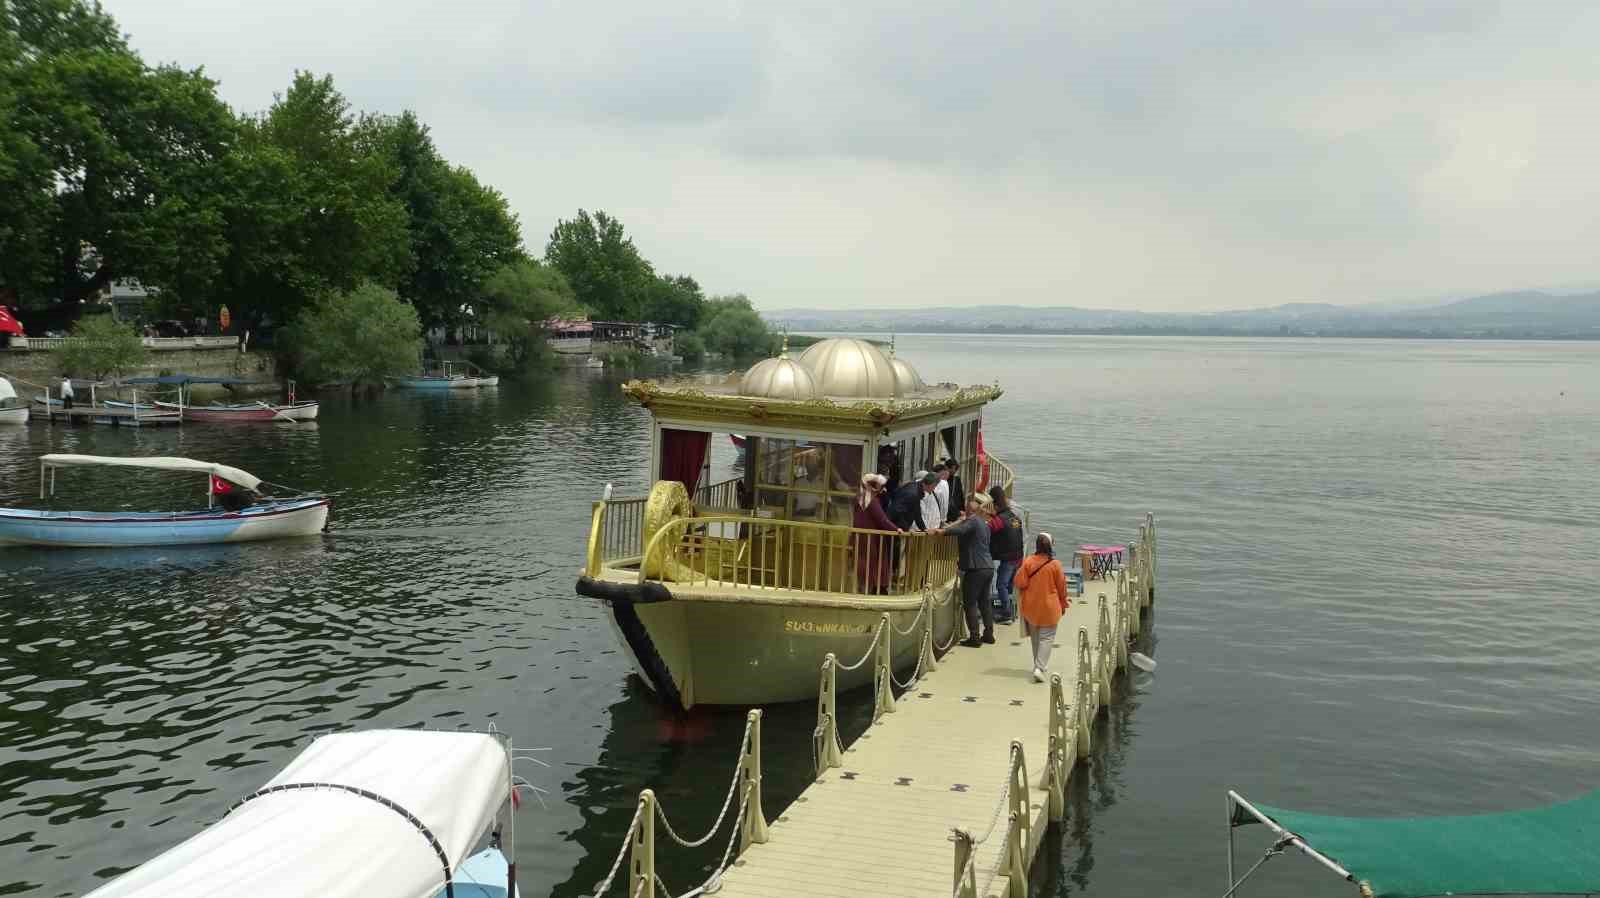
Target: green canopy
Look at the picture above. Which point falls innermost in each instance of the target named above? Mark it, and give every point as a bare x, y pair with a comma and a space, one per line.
1553, 850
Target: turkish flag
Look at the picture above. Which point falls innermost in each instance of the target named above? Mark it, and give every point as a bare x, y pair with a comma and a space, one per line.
8, 323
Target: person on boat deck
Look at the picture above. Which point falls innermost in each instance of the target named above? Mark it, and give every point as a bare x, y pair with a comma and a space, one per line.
1005, 544
889, 466
231, 496
932, 511
977, 569
941, 490
66, 391
1043, 585
871, 551
905, 506
958, 493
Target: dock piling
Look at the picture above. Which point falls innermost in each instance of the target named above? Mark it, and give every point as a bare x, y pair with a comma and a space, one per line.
825, 750
642, 853
753, 822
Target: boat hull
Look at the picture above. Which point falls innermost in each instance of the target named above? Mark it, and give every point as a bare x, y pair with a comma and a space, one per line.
273, 520
732, 651
14, 415
437, 383
302, 411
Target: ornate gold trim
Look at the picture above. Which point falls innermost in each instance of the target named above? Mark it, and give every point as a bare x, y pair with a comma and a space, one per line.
692, 403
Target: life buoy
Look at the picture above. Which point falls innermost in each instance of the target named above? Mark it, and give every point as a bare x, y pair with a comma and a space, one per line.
668, 499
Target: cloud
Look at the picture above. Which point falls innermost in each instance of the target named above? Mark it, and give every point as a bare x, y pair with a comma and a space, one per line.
1170, 155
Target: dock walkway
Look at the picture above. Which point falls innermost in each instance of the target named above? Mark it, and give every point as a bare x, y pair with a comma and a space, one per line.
951, 788
99, 414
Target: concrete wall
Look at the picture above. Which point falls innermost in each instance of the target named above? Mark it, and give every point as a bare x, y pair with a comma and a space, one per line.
41, 367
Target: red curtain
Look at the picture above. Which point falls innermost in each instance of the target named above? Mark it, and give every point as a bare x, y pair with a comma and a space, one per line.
683, 453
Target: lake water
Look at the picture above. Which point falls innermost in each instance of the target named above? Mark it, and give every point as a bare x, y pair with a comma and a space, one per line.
1379, 570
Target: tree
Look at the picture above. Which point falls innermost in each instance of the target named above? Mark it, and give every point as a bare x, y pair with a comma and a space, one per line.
519, 299
731, 326
359, 337
106, 163
460, 231
601, 263
674, 299
99, 346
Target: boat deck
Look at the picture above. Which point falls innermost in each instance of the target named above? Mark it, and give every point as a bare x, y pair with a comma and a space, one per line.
122, 417
881, 823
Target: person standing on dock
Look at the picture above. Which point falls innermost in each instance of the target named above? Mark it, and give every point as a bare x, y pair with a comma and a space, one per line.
66, 391
1005, 544
1043, 585
977, 571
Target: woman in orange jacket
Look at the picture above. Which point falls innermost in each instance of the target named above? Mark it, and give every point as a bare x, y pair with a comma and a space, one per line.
1042, 584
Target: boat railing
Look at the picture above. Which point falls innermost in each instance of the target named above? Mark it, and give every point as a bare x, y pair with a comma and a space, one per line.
1001, 473
798, 556
718, 495
617, 532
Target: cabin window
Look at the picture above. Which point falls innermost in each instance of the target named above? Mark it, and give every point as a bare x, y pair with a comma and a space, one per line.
807, 481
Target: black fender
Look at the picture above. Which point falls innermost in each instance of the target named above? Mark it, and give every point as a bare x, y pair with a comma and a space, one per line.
622, 597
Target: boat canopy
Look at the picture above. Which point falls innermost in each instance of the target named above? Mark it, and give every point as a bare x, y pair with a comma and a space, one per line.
356, 815
185, 380
1553, 850
161, 463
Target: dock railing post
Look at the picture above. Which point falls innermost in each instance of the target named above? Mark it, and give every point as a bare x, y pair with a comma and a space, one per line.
753, 826
1105, 651
965, 884
1019, 830
882, 692
928, 661
826, 737
1086, 692
642, 852
1058, 763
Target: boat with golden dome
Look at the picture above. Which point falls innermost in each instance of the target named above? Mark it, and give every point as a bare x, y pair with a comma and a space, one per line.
732, 592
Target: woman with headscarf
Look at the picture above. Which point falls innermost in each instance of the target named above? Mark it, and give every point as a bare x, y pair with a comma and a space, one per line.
1042, 583
873, 552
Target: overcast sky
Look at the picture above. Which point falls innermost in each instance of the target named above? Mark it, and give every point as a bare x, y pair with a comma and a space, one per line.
1159, 156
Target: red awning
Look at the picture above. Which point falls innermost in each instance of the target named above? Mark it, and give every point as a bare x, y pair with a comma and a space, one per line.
8, 323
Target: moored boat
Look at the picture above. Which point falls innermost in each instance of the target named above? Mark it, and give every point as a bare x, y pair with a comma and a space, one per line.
735, 595
436, 382
244, 411
385, 813
12, 409
245, 521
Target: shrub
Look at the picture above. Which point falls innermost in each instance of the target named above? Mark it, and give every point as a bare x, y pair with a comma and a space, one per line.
100, 346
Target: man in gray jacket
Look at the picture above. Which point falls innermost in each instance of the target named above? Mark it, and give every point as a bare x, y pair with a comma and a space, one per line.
977, 572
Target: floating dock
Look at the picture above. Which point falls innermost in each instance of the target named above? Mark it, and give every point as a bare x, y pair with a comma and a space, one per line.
99, 414
950, 790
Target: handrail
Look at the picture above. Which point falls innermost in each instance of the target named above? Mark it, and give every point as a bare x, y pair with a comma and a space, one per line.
782, 555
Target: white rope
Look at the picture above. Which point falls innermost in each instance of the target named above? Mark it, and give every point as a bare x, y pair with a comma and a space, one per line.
726, 802
877, 634
627, 840
914, 621
713, 882
916, 674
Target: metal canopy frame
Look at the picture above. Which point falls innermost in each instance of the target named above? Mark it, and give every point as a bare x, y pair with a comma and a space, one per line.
1285, 837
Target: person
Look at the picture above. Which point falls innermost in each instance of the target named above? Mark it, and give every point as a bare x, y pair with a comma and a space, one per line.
932, 508
1043, 585
905, 506
1005, 545
977, 571
231, 496
872, 551
958, 492
941, 490
66, 391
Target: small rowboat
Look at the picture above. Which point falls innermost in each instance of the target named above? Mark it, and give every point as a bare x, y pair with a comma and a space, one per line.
373, 814
437, 382
244, 411
12, 409
271, 518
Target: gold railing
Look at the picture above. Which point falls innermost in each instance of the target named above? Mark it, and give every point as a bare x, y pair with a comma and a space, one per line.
1001, 473
616, 533
718, 495
739, 551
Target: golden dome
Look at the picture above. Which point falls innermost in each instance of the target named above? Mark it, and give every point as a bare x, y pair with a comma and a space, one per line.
852, 369
906, 376
779, 378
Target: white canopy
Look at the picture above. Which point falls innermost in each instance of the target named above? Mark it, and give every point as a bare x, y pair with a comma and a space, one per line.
163, 463
332, 843
6, 390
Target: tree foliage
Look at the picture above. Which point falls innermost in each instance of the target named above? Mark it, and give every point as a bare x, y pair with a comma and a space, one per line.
731, 326
518, 300
99, 346
605, 269
359, 337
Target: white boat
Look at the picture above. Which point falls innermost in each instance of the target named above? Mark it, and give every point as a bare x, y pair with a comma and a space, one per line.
265, 518
594, 363
375, 814
12, 409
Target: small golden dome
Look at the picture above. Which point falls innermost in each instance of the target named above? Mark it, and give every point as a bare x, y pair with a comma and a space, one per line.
779, 378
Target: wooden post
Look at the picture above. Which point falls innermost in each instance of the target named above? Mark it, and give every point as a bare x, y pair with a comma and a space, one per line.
642, 853
753, 825
883, 691
828, 752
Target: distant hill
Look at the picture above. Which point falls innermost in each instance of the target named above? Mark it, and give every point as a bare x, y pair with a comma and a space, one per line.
1528, 314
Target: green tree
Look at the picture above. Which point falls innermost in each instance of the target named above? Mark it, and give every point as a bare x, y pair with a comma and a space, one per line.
731, 326
674, 299
518, 300
99, 346
460, 231
309, 208
106, 164
605, 269
359, 337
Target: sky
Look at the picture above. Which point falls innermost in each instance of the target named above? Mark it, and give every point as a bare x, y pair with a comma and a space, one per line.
1163, 156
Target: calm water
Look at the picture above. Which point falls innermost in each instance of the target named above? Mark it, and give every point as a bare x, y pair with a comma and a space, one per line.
1379, 567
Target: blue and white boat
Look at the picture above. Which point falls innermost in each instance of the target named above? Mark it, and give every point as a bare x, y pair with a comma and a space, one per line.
373, 814
254, 519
